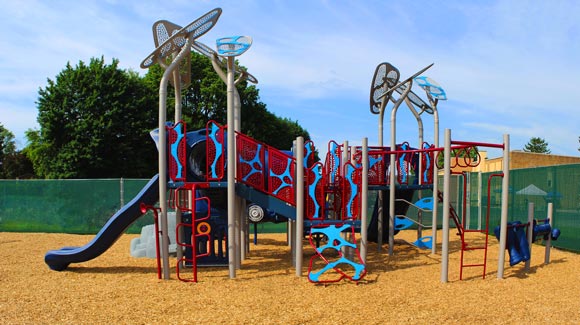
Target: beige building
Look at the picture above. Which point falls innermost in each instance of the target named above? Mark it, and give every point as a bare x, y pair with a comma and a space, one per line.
520, 159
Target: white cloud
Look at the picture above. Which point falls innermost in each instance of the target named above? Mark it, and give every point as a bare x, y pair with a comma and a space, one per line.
506, 66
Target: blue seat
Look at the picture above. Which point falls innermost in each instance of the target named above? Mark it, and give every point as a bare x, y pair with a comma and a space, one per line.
402, 223
424, 242
425, 203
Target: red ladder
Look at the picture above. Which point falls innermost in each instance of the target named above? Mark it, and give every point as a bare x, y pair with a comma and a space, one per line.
467, 247
461, 231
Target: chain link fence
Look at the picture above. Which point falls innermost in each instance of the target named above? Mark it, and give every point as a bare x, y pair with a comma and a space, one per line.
65, 206
84, 206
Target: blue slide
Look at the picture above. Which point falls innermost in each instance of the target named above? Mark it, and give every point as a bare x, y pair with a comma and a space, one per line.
59, 260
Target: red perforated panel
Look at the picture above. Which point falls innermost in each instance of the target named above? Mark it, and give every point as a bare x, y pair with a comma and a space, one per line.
427, 162
333, 162
377, 172
280, 179
250, 162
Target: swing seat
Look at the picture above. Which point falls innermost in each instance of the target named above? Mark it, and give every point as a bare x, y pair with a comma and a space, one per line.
424, 242
425, 203
402, 223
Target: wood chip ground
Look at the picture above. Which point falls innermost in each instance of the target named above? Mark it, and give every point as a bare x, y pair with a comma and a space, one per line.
405, 288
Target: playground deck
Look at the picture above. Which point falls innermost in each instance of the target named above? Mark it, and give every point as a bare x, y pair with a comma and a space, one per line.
402, 289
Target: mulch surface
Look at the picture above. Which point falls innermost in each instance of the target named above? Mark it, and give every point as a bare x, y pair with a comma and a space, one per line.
404, 288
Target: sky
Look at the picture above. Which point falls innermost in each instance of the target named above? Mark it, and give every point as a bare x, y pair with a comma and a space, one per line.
508, 67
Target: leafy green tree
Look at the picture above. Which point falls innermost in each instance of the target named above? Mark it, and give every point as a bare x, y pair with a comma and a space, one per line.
95, 118
7, 147
206, 99
7, 143
537, 145
94, 122
17, 165
13, 163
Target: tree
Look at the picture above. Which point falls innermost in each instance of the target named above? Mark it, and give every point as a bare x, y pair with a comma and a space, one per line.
537, 145
13, 163
94, 121
206, 99
17, 165
7, 147
7, 143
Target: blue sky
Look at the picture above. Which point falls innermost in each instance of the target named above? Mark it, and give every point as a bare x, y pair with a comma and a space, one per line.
507, 66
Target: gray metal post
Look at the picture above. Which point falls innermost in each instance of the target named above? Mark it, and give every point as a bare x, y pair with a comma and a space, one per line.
177, 117
241, 233
392, 166
530, 232
434, 93
299, 181
380, 194
504, 206
239, 228
420, 171
244, 230
364, 200
446, 187
231, 173
292, 237
435, 182
238, 232
232, 47
162, 159
392, 191
549, 241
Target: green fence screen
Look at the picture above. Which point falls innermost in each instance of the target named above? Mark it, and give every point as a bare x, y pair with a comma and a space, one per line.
559, 185
74, 206
66, 206
84, 206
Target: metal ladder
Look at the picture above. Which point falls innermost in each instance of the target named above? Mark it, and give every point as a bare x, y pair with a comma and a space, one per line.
461, 231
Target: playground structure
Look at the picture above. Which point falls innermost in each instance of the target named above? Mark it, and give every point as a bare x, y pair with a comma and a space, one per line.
326, 199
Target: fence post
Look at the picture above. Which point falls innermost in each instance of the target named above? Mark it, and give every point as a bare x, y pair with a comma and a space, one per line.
122, 191
549, 241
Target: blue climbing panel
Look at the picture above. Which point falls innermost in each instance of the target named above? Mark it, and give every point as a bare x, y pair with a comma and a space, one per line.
335, 243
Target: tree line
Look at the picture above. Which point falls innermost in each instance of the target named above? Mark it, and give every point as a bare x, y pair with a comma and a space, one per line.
95, 120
